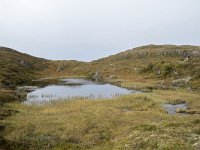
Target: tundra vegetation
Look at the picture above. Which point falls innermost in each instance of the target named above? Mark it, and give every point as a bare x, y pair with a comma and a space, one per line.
167, 74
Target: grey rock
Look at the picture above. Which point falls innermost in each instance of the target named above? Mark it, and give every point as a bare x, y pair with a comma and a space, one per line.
181, 82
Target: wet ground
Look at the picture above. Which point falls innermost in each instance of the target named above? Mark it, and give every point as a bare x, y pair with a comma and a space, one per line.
173, 109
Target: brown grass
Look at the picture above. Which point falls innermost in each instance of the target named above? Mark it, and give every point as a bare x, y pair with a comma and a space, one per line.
136, 121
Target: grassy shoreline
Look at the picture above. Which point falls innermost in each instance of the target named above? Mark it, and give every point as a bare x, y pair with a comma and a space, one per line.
136, 121
166, 73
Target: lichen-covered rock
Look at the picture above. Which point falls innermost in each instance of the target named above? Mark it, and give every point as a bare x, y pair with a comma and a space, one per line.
96, 76
181, 82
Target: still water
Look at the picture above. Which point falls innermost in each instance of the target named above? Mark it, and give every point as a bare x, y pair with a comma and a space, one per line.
73, 88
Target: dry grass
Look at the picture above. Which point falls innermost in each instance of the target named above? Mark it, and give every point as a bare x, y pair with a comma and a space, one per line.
138, 85
128, 122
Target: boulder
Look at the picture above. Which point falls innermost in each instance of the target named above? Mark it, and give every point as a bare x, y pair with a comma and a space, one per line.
181, 82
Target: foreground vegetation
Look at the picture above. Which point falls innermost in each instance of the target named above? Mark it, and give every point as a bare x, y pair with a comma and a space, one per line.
136, 121
168, 73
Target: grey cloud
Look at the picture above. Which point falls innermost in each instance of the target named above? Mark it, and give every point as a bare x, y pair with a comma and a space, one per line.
90, 29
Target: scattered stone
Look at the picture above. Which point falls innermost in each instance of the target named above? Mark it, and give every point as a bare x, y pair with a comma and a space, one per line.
112, 77
136, 69
196, 144
189, 89
181, 82
126, 145
96, 76
158, 72
60, 69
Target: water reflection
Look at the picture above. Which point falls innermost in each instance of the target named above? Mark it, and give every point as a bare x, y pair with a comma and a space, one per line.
73, 88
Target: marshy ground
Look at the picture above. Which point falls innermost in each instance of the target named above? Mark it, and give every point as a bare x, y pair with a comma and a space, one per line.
136, 121
167, 74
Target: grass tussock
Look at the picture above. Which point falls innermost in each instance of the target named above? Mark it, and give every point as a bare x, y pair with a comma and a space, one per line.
136, 121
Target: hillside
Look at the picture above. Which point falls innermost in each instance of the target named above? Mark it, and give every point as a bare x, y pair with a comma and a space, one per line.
163, 65
59, 68
170, 64
18, 68
144, 123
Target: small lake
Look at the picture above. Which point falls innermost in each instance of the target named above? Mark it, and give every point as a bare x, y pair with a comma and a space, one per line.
73, 88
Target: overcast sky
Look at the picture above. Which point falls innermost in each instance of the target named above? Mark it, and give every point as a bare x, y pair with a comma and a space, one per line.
91, 29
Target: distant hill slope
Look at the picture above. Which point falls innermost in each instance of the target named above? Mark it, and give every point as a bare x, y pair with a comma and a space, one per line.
171, 63
65, 68
174, 65
18, 68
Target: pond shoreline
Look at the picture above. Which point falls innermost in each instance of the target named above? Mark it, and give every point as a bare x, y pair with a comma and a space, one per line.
69, 88
125, 109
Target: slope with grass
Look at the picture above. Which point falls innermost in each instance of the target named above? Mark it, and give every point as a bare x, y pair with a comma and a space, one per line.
17, 68
20, 69
164, 65
136, 121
